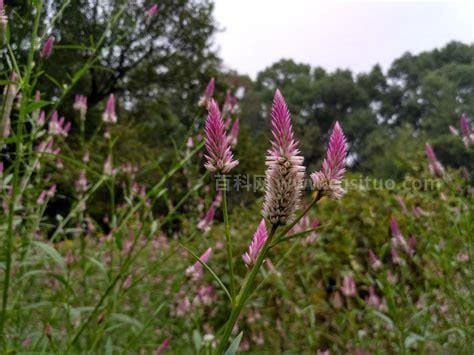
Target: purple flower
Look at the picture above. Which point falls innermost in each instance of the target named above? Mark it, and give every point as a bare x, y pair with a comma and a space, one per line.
229, 104
373, 299
80, 105
219, 156
190, 142
163, 346
328, 180
285, 170
196, 271
375, 262
468, 136
109, 115
434, 165
47, 48
453, 130
234, 133
206, 98
204, 224
348, 288
398, 239
58, 126
151, 11
258, 241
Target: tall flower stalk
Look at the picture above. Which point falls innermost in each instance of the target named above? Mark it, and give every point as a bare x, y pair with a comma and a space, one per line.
220, 160
283, 190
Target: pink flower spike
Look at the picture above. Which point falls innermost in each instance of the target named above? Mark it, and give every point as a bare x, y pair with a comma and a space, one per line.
328, 180
80, 105
434, 165
190, 142
234, 133
373, 299
219, 156
163, 346
348, 288
375, 262
196, 271
109, 115
398, 239
468, 135
151, 11
206, 98
285, 171
258, 241
453, 131
205, 223
47, 48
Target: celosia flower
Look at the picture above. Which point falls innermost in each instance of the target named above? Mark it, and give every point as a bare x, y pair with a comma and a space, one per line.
204, 224
109, 115
9, 94
190, 142
80, 105
3, 23
41, 118
47, 48
229, 104
234, 133
395, 258
328, 180
468, 135
375, 262
398, 238
348, 288
453, 131
285, 170
434, 165
219, 156
206, 98
58, 126
163, 346
258, 241
151, 11
196, 271
81, 183
373, 299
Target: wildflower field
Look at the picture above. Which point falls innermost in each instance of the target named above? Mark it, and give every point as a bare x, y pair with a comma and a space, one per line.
153, 201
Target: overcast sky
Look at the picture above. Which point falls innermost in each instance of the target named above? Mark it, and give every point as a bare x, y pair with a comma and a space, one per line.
336, 34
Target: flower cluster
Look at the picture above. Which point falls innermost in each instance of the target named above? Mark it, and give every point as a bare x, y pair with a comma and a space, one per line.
258, 241
435, 167
285, 171
219, 156
328, 180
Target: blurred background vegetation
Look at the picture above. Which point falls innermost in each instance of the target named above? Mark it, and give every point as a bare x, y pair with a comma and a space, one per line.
158, 70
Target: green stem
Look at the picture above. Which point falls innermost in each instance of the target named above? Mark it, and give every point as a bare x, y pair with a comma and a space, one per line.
245, 292
248, 286
228, 242
17, 164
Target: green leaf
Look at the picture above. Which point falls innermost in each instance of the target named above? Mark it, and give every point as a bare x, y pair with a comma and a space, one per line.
385, 318
412, 339
51, 252
221, 284
234, 346
126, 319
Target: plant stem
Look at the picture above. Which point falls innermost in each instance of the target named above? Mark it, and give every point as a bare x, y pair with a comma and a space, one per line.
248, 287
228, 242
16, 177
245, 292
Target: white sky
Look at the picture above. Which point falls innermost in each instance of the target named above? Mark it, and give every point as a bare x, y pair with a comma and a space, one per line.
336, 34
